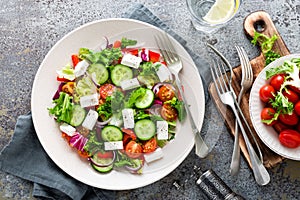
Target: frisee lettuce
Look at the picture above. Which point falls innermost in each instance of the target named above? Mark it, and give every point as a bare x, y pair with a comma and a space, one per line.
63, 108
281, 102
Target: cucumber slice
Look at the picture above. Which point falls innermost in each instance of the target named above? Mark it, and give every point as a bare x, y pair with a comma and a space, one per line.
146, 100
78, 115
111, 133
120, 73
103, 169
102, 162
100, 72
144, 129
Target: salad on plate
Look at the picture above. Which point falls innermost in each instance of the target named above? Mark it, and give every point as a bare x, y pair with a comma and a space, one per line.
117, 107
281, 96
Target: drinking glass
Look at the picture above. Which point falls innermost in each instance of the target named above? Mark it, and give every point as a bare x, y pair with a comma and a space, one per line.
209, 15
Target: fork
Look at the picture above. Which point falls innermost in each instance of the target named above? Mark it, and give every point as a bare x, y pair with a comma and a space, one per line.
227, 97
246, 83
231, 89
175, 65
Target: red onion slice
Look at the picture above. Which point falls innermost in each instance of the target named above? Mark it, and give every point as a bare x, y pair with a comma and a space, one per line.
136, 168
56, 95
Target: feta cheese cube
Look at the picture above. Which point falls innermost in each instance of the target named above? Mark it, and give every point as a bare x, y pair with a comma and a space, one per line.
89, 100
131, 61
156, 155
128, 118
162, 130
90, 120
130, 84
81, 68
113, 145
68, 129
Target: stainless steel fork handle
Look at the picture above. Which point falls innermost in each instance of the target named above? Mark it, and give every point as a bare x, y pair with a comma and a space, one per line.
200, 146
261, 174
236, 154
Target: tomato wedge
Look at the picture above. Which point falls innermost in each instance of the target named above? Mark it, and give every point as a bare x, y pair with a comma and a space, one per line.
150, 146
129, 132
133, 149
106, 90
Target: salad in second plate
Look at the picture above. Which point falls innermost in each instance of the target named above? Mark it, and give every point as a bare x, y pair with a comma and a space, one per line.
117, 107
282, 97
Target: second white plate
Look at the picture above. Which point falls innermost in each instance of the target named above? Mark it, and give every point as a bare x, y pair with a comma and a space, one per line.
266, 133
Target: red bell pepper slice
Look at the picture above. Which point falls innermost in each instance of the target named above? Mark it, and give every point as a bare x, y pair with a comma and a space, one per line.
75, 60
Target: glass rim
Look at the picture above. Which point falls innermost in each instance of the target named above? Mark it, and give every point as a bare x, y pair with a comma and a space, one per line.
207, 24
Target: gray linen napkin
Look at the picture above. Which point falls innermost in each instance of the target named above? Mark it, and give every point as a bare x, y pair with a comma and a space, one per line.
25, 157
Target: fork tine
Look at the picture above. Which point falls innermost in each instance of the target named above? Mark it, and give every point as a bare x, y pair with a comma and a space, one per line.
218, 78
221, 78
242, 60
217, 83
171, 49
160, 45
248, 65
167, 48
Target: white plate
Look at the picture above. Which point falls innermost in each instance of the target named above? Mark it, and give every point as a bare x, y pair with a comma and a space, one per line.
266, 133
90, 36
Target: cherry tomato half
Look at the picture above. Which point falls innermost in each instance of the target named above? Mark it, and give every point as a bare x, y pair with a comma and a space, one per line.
166, 93
150, 146
276, 81
133, 149
106, 90
266, 93
289, 119
289, 138
268, 114
168, 112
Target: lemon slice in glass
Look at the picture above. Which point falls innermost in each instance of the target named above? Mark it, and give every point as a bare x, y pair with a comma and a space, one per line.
220, 12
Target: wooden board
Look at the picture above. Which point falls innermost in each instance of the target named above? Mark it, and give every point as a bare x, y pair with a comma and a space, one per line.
261, 22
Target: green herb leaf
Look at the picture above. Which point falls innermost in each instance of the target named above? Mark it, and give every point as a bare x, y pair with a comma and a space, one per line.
106, 56
127, 42
63, 108
266, 43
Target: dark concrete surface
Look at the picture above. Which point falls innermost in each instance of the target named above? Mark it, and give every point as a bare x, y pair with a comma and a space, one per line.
29, 28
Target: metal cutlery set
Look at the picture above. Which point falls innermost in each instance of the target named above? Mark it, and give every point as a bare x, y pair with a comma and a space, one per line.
221, 71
